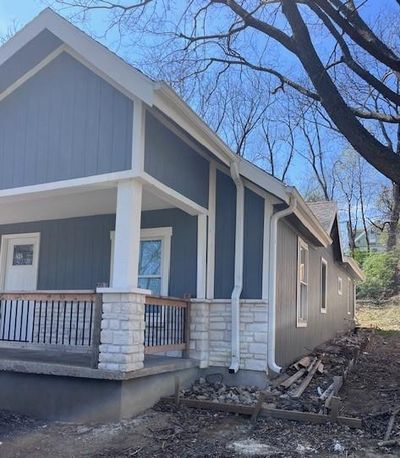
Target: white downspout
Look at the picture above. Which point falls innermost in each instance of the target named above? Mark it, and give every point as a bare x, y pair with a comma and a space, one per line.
238, 277
273, 244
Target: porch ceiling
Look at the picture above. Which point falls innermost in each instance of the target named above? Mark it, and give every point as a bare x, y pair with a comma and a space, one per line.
68, 204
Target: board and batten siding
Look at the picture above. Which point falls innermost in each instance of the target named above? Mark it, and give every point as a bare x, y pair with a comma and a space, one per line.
172, 161
292, 341
65, 122
225, 227
75, 253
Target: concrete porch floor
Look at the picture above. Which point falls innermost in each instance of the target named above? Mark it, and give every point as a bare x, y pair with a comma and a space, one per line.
77, 364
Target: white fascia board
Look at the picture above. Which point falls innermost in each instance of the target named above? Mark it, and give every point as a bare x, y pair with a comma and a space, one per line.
354, 267
168, 102
96, 54
310, 221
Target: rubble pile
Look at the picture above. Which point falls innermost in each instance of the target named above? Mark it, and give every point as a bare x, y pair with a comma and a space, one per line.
305, 386
209, 390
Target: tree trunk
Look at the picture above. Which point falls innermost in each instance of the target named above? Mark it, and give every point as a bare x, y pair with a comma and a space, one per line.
350, 236
394, 219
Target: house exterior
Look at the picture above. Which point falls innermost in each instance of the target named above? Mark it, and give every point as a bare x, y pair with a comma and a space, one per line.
376, 239
128, 229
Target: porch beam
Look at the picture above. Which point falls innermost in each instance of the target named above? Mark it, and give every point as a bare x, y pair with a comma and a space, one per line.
127, 235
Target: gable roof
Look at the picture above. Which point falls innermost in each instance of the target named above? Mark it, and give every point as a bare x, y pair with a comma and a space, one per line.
326, 212
137, 86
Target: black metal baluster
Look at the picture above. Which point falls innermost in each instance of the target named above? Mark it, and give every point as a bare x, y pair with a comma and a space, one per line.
34, 319
63, 325
70, 323
9, 322
84, 323
45, 320
40, 319
51, 320
168, 323
20, 321
77, 323
58, 320
27, 320
159, 309
152, 325
90, 324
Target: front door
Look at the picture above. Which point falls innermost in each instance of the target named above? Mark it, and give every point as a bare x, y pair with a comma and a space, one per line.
20, 262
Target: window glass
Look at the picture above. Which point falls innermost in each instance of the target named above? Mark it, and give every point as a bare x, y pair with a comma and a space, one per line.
150, 265
23, 255
302, 280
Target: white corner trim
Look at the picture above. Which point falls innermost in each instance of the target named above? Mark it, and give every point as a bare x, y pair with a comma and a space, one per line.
340, 286
212, 190
170, 195
201, 256
268, 210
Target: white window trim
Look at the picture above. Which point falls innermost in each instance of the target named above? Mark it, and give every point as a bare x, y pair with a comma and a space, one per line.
3, 255
325, 263
155, 233
340, 286
301, 323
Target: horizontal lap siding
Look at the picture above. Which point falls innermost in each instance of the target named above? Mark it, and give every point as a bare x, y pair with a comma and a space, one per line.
173, 162
292, 341
65, 122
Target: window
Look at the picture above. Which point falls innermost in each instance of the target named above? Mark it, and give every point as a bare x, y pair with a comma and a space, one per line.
324, 284
302, 283
350, 295
340, 286
154, 259
23, 255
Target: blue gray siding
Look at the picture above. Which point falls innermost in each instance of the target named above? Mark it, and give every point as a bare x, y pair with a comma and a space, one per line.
27, 57
75, 253
225, 221
253, 245
225, 227
173, 162
65, 122
183, 268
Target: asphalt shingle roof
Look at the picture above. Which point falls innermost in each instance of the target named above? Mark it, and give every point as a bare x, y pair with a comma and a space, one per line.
325, 211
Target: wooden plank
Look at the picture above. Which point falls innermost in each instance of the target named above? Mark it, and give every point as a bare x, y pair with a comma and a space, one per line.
303, 362
161, 348
258, 407
271, 412
278, 380
335, 405
43, 296
166, 301
327, 392
338, 383
311, 371
320, 369
288, 382
391, 423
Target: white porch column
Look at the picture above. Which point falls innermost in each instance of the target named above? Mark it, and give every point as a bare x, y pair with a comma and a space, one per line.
127, 235
201, 256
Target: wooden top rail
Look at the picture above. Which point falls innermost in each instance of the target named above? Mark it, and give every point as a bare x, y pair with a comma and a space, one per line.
81, 296
166, 301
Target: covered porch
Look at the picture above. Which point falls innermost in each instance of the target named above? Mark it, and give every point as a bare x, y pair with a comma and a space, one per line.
89, 276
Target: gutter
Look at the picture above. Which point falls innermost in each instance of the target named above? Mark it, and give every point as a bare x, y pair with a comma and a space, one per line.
273, 244
238, 276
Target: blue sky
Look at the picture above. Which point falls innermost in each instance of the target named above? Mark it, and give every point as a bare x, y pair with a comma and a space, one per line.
21, 11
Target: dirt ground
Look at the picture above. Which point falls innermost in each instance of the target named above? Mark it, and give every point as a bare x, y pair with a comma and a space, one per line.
370, 392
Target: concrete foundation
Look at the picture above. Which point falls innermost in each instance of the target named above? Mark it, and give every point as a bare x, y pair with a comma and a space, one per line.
243, 377
87, 400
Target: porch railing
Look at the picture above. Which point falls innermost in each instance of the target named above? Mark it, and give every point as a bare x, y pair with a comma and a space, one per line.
166, 324
60, 319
